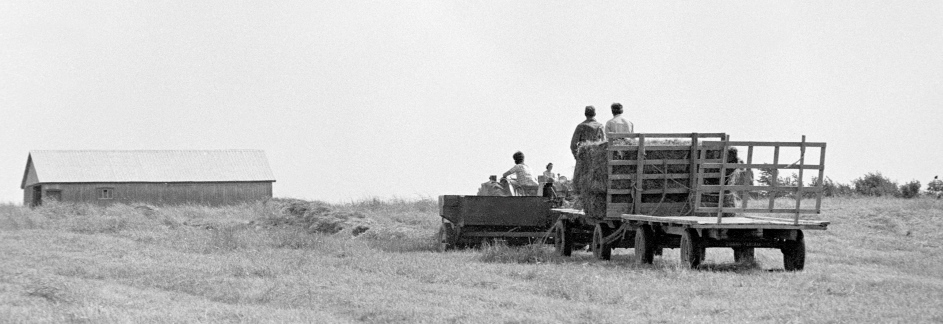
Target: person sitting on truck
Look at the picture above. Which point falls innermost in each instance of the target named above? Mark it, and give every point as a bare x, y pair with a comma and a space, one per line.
546, 182
618, 124
588, 131
491, 188
549, 173
525, 176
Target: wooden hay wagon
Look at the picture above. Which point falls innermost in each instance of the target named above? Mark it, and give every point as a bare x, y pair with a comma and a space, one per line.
648, 218
471, 220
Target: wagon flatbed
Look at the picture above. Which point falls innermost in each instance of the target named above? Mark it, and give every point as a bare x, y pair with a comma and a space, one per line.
729, 222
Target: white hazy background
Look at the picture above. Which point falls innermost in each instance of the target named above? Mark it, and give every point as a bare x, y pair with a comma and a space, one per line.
361, 99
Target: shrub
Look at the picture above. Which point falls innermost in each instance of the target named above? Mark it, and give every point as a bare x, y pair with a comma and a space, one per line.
875, 184
910, 189
832, 189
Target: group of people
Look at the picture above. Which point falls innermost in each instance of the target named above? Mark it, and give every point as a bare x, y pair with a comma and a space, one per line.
524, 183
590, 130
528, 184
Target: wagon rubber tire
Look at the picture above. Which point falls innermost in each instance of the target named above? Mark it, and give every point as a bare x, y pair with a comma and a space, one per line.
600, 250
563, 239
447, 237
794, 253
690, 249
644, 244
744, 255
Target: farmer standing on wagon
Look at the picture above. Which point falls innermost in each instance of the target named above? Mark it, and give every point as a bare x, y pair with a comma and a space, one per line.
618, 124
588, 131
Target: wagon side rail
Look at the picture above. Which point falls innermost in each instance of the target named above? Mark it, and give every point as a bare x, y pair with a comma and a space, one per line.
641, 162
773, 189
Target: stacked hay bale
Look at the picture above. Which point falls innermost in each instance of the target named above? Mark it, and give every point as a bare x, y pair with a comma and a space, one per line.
591, 175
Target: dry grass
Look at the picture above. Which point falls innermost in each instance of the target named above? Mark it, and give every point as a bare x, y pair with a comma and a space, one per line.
878, 262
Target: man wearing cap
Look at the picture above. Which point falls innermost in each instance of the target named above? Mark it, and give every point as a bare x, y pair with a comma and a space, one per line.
618, 124
588, 131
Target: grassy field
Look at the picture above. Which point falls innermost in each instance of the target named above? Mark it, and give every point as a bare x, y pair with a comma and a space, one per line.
880, 261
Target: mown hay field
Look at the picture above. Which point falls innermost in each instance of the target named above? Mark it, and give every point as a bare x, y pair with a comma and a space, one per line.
880, 261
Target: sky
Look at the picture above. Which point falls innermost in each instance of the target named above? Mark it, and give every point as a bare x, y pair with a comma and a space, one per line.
413, 99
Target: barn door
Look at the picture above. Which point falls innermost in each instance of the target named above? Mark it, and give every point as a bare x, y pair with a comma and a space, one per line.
37, 196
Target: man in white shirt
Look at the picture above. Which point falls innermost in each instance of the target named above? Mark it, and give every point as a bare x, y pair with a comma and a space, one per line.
618, 124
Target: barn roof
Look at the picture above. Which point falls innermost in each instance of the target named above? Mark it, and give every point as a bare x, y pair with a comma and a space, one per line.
147, 166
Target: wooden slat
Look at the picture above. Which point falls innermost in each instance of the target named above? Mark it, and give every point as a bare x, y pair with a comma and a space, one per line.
764, 166
700, 177
800, 180
746, 222
648, 206
639, 170
763, 226
771, 144
662, 135
648, 191
659, 162
723, 177
774, 177
749, 161
503, 234
692, 177
657, 219
704, 209
716, 188
649, 147
821, 182
807, 221
622, 176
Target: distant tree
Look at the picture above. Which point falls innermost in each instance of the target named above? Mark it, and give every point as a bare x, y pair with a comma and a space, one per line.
875, 184
910, 189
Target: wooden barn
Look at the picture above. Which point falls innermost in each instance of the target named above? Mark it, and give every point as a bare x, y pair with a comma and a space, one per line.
207, 177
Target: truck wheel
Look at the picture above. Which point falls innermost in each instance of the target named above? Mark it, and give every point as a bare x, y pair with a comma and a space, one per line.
447, 237
601, 250
744, 255
794, 253
562, 239
690, 249
644, 244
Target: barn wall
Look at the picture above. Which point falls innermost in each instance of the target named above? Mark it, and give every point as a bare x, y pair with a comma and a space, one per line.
214, 193
27, 195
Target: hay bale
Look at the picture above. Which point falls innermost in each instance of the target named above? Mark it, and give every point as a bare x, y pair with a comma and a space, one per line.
591, 173
593, 204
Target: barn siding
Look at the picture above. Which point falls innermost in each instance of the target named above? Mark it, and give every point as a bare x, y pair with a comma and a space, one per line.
211, 193
27, 195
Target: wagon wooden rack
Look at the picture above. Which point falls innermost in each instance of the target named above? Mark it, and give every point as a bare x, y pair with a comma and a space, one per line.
699, 224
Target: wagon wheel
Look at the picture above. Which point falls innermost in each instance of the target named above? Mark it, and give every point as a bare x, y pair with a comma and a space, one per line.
644, 244
447, 237
601, 250
562, 239
690, 248
744, 254
794, 253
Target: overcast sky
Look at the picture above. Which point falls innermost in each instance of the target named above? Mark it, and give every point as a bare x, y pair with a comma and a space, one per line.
352, 100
